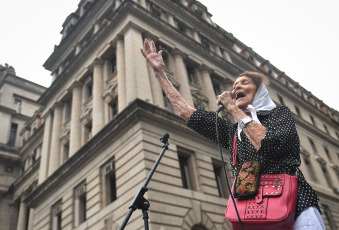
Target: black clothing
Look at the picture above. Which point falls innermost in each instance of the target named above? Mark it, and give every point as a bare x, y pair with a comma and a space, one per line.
279, 152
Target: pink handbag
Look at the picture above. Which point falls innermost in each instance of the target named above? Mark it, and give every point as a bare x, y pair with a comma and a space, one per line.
273, 207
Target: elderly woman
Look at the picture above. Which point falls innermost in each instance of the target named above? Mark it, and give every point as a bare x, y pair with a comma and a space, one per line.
264, 131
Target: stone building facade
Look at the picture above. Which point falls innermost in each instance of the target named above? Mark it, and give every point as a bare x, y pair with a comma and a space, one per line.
100, 121
18, 104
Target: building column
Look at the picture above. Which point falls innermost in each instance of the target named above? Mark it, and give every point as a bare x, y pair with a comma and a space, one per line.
54, 160
22, 216
75, 133
31, 219
182, 78
44, 158
120, 57
98, 102
137, 79
207, 88
107, 74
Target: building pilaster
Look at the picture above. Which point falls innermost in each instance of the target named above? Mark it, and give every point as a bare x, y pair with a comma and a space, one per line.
137, 78
54, 160
121, 74
31, 218
98, 121
75, 132
22, 216
182, 78
207, 88
45, 149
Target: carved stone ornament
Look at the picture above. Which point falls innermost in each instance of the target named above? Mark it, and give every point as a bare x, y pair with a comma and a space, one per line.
199, 98
86, 113
110, 90
320, 160
65, 133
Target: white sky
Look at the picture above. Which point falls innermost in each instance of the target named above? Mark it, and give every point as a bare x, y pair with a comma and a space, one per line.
299, 37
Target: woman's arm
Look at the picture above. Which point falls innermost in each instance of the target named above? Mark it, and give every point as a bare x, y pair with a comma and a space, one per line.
155, 60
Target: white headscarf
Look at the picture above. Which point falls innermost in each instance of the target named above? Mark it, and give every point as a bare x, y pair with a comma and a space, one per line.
261, 101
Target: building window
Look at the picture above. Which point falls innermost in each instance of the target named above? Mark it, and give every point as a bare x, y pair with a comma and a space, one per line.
297, 110
56, 216
313, 146
88, 131
326, 129
327, 176
217, 88
220, 179
34, 156
68, 110
18, 102
313, 121
327, 153
12, 134
191, 73
88, 87
110, 189
114, 65
80, 204
66, 152
198, 227
310, 170
113, 107
281, 100
329, 217
186, 168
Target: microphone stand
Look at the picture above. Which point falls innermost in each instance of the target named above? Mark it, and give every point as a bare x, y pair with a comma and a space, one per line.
139, 202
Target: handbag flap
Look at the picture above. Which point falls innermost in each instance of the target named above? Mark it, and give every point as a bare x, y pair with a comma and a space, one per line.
270, 185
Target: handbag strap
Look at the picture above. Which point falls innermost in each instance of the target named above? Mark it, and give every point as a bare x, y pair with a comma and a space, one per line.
235, 162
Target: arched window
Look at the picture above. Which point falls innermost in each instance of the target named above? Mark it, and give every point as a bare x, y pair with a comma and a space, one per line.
198, 227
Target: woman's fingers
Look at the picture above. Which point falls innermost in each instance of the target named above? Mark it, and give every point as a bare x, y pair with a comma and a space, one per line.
154, 50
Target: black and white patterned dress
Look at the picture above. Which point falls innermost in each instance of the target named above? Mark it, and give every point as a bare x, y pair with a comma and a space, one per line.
279, 152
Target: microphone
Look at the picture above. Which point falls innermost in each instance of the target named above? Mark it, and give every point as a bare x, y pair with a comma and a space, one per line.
164, 138
221, 107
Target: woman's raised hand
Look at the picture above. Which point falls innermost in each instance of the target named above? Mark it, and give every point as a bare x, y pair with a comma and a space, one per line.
153, 58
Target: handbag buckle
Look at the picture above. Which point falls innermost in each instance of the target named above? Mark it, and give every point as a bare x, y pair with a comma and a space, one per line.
276, 185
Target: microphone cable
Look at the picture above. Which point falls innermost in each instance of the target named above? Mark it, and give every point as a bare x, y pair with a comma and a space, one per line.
224, 167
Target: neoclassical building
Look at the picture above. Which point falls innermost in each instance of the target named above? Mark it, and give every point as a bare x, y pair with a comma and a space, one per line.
19, 113
99, 123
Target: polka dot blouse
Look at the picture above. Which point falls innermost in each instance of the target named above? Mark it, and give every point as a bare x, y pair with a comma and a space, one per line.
279, 152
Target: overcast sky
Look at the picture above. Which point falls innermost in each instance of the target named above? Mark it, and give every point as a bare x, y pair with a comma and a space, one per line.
299, 37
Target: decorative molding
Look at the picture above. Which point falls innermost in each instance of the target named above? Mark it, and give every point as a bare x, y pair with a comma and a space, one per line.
65, 133
86, 114
110, 91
